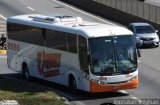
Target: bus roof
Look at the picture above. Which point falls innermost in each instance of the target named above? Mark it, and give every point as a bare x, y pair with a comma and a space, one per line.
70, 24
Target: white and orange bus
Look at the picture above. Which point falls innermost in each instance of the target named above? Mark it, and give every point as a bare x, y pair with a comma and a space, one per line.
67, 50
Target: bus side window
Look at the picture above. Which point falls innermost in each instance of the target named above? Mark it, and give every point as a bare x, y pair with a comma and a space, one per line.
83, 58
24, 33
72, 42
56, 40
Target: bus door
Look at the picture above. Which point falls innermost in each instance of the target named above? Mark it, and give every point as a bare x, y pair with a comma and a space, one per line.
83, 62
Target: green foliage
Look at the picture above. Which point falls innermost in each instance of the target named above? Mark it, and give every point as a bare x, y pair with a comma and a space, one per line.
27, 93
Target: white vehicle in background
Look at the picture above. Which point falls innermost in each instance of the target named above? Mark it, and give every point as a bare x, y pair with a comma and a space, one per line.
89, 56
145, 34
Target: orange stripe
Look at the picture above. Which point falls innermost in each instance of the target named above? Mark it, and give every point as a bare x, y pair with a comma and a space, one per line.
95, 87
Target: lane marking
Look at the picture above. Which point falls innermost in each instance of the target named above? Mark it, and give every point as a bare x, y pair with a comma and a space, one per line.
30, 8
83, 12
123, 91
139, 61
78, 102
3, 57
2, 32
2, 29
2, 21
3, 17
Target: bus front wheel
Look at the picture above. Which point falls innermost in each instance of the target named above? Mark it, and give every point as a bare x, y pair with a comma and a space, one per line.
26, 72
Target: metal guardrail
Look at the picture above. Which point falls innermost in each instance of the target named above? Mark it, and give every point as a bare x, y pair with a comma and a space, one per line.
122, 11
135, 7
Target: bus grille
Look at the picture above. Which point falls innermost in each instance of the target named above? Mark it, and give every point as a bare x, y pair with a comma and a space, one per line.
117, 82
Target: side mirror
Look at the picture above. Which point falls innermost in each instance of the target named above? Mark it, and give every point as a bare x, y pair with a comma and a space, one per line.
156, 31
138, 52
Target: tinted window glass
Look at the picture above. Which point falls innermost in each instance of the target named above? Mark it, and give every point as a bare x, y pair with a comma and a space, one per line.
25, 33
72, 42
144, 29
83, 53
56, 40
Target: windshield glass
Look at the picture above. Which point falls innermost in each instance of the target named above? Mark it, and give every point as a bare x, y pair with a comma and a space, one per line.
144, 29
112, 55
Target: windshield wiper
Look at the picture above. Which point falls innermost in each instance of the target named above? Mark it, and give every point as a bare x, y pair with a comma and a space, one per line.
114, 55
128, 70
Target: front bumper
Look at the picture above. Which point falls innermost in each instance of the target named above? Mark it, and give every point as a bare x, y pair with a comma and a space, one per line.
95, 87
150, 43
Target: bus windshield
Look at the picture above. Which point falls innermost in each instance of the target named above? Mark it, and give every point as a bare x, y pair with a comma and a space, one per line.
113, 55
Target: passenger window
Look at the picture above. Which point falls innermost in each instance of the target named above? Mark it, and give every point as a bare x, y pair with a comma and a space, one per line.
56, 40
24, 33
72, 42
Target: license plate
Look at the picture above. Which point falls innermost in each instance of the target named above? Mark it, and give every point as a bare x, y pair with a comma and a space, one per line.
148, 42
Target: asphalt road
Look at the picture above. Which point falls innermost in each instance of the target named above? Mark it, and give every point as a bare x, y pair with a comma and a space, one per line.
149, 66
149, 75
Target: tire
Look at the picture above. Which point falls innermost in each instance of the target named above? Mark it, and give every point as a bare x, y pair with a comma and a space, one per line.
72, 84
26, 72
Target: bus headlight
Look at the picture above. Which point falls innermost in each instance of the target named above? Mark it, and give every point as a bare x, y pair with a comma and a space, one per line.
133, 78
98, 81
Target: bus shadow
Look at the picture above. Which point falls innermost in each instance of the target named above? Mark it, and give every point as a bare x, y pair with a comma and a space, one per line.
81, 95
66, 91
147, 47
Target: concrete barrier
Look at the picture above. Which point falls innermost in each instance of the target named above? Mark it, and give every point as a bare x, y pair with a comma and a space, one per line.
124, 16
